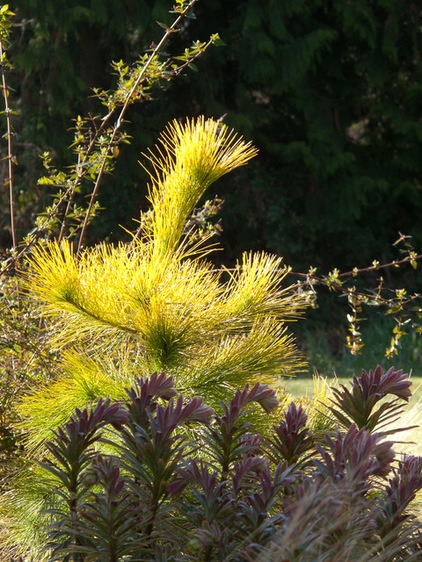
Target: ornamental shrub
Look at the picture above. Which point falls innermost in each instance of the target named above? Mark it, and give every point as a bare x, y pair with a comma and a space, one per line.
156, 476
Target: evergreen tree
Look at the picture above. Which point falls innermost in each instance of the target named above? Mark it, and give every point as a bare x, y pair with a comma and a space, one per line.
329, 92
159, 304
123, 312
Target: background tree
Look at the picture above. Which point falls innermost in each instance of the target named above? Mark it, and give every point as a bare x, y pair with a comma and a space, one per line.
329, 92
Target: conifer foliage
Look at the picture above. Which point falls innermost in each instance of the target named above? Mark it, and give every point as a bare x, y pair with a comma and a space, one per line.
116, 461
159, 304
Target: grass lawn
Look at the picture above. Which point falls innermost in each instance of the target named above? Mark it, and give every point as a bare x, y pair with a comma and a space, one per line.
317, 349
303, 385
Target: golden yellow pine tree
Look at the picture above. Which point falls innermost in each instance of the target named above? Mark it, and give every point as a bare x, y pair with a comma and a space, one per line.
159, 304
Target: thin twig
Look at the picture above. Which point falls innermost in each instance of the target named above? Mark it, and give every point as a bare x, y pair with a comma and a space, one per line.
67, 195
9, 180
9, 264
352, 273
157, 49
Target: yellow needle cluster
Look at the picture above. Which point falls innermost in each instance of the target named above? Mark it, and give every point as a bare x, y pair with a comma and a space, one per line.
158, 304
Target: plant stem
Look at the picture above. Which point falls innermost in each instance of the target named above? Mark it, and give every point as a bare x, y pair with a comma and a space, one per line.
9, 179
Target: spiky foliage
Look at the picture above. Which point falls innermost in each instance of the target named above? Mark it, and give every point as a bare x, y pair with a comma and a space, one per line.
192, 157
365, 403
154, 476
159, 304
